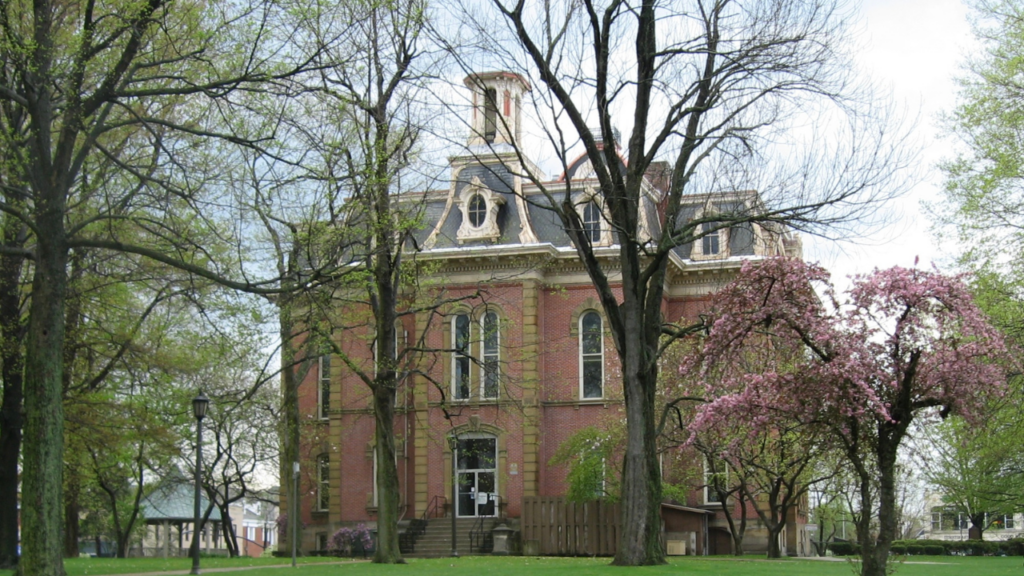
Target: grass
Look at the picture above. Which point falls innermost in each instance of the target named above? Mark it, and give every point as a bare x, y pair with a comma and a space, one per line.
496, 566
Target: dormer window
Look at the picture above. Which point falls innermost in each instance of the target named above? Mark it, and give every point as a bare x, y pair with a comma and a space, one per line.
711, 240
479, 206
592, 222
477, 210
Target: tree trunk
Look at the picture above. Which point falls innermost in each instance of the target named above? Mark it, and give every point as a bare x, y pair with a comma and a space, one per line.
640, 543
12, 364
42, 488
388, 495
886, 503
290, 379
71, 514
774, 548
228, 530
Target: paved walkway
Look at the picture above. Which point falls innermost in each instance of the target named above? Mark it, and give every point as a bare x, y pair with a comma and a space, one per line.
235, 568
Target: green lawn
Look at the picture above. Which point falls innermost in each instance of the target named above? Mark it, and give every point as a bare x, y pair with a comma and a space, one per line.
492, 566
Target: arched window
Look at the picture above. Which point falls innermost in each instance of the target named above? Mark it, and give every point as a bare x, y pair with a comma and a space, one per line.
323, 397
460, 357
591, 356
477, 210
323, 484
491, 341
592, 222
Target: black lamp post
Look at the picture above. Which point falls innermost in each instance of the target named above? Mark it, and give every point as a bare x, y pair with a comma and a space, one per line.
199, 406
453, 442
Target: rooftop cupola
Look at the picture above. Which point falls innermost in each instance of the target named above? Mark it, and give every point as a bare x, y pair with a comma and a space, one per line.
497, 106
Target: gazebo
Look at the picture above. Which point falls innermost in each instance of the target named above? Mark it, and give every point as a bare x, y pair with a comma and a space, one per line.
171, 504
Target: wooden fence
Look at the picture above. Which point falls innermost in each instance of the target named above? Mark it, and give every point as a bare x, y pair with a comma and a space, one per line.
563, 528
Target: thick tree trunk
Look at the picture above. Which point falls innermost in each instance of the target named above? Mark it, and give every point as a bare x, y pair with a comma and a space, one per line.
388, 495
886, 505
640, 542
774, 548
290, 379
12, 363
42, 492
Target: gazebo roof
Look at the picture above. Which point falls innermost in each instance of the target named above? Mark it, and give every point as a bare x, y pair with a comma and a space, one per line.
174, 500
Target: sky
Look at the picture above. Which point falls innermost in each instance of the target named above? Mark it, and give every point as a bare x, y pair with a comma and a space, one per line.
914, 49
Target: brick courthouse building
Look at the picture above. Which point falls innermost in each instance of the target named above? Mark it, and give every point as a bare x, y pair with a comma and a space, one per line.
531, 361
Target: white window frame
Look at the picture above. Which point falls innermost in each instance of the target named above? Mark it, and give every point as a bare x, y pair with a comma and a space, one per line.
323, 386
697, 251
323, 482
709, 492
584, 356
485, 356
458, 355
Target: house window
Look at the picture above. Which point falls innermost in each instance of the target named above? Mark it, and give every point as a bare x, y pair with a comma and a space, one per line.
491, 336
1003, 522
324, 385
592, 222
321, 541
711, 240
716, 477
460, 357
250, 533
591, 356
477, 210
323, 484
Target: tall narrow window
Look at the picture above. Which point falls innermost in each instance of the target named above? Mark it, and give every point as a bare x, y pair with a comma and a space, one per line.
711, 240
491, 338
324, 387
490, 114
592, 222
716, 477
591, 356
323, 485
460, 357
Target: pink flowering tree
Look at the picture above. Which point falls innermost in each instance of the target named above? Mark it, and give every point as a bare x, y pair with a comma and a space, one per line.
907, 345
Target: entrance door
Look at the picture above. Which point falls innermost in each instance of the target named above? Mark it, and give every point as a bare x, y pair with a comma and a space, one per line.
478, 487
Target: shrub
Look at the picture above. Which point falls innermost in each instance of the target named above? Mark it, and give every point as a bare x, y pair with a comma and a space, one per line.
898, 548
843, 548
351, 541
934, 549
915, 550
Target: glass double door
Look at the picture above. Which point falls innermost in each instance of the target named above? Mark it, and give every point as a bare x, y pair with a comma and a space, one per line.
477, 468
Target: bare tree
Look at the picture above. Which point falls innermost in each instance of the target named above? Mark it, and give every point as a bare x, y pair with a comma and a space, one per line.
710, 86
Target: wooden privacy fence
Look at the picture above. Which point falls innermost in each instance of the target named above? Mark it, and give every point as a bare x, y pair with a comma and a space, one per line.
563, 528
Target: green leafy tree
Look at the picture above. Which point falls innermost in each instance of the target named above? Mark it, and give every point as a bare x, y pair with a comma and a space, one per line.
591, 456
126, 120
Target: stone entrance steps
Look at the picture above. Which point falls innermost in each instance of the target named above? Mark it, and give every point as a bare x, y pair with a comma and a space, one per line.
436, 540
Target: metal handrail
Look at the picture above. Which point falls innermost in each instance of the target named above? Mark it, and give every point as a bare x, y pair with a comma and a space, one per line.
477, 534
439, 501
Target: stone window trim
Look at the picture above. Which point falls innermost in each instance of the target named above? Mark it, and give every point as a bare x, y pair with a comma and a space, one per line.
323, 384
581, 201
474, 359
323, 482
697, 251
488, 229
591, 356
